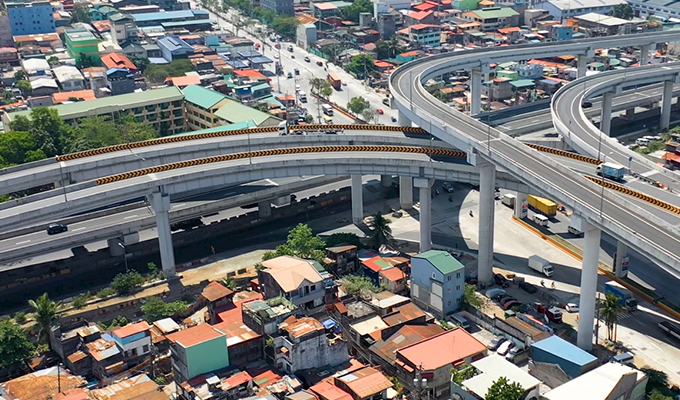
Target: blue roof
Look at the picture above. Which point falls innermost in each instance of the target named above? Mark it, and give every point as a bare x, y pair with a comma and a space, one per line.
236, 64
565, 350
328, 323
173, 43
260, 60
550, 82
198, 22
249, 53
163, 15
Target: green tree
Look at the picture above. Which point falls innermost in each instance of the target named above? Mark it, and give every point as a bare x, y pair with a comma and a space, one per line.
20, 75
656, 395
91, 133
300, 243
127, 281
359, 286
53, 61
357, 105
155, 308
14, 146
15, 348
439, 95
80, 13
20, 317
45, 311
326, 90
462, 373
106, 292
380, 233
25, 87
229, 282
285, 26
316, 84
656, 381
502, 389
369, 115
610, 308
140, 62
361, 65
394, 47
48, 130
132, 131
352, 12
470, 297
623, 11
340, 238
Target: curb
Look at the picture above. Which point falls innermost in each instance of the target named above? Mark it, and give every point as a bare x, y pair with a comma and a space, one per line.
601, 270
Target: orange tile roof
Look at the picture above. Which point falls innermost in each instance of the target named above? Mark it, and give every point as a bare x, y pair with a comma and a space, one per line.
249, 73
72, 394
233, 311
132, 329
115, 60
505, 31
442, 350
671, 157
426, 6
193, 336
366, 382
186, 80
393, 274
469, 25
236, 331
215, 291
77, 356
419, 15
85, 95
300, 327
423, 26
35, 386
406, 335
236, 380
328, 391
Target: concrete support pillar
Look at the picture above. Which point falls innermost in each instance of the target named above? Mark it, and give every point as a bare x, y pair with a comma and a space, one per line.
644, 54
487, 186
666, 100
115, 248
264, 209
425, 186
475, 92
581, 64
591, 255
406, 192
357, 200
621, 253
630, 114
520, 210
606, 114
161, 205
386, 181
403, 120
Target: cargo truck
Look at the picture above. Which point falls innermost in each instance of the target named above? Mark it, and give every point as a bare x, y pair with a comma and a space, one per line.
611, 171
335, 80
509, 200
541, 265
625, 296
542, 206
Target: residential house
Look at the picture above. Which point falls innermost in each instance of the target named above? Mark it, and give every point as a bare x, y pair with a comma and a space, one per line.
9, 55
43, 87
30, 17
434, 357
342, 259
134, 340
393, 338
293, 278
95, 79
608, 381
264, 316
151, 51
120, 81
371, 268
82, 43
394, 279
420, 18
78, 95
174, 48
101, 12
117, 60
497, 89
107, 359
326, 390
422, 35
137, 387
197, 350
305, 35
244, 345
437, 282
529, 70
218, 297
386, 302
69, 78
122, 27
493, 18
304, 343
570, 358
159, 331
35, 66
364, 384
219, 384
42, 384
489, 370
66, 339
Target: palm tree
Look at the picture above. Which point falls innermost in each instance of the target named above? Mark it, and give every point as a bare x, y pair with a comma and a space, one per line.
381, 233
229, 282
394, 47
610, 308
46, 311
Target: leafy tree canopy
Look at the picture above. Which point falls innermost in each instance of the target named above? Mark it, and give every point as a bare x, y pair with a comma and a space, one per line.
361, 65
157, 73
337, 239
358, 105
127, 281
15, 348
80, 13
155, 308
300, 243
503, 389
623, 11
352, 12
359, 286
470, 297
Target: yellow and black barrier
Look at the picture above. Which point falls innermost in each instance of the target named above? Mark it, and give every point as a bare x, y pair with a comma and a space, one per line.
274, 152
357, 127
634, 193
575, 156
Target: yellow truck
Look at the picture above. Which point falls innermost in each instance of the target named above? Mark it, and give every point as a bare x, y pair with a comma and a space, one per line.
542, 206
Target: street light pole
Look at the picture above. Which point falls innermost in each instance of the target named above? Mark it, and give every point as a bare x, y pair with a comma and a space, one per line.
61, 175
124, 255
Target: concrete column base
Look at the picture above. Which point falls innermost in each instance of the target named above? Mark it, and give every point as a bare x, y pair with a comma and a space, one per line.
521, 205
264, 209
425, 194
591, 254
161, 204
357, 200
386, 181
406, 192
621, 254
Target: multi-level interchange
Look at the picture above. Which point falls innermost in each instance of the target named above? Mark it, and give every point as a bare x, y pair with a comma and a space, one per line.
167, 167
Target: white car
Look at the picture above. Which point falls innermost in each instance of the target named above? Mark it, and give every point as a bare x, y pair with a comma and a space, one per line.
505, 347
571, 308
276, 56
297, 88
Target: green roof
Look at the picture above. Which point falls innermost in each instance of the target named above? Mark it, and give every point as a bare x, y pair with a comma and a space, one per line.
443, 261
495, 12
202, 97
522, 83
231, 127
107, 105
233, 111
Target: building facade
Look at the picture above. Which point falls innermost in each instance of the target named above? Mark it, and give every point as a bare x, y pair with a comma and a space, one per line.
281, 7
197, 350
30, 17
437, 282
293, 278
82, 43
134, 340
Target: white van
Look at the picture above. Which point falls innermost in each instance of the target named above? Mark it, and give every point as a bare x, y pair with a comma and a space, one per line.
459, 320
302, 96
540, 220
642, 142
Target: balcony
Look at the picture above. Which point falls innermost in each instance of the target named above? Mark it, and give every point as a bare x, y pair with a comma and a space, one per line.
165, 106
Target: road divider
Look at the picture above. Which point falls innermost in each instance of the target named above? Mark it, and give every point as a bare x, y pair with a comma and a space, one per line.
575, 156
634, 193
356, 127
276, 152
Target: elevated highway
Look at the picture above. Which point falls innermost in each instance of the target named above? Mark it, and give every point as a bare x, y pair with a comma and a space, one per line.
489, 148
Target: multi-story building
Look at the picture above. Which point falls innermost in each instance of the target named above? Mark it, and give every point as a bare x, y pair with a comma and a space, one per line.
293, 278
493, 18
82, 43
304, 344
69, 78
122, 26
201, 104
9, 55
30, 17
134, 340
197, 350
281, 7
561, 9
173, 48
117, 60
5, 31
264, 316
162, 108
422, 35
120, 81
437, 282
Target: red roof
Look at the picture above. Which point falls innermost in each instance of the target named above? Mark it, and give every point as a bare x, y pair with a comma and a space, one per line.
328, 391
420, 15
442, 350
366, 382
428, 5
193, 336
393, 274
423, 26
236, 380
184, 81
130, 330
505, 31
216, 291
85, 95
249, 73
115, 60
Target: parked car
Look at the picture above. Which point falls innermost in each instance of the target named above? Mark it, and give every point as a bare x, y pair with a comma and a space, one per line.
289, 75
496, 294
319, 63
307, 59
505, 299
571, 308
380, 111
513, 353
553, 313
471, 279
53, 229
447, 187
528, 287
297, 71
495, 342
505, 347
501, 280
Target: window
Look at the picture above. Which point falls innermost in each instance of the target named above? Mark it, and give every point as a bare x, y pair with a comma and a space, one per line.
457, 287
448, 303
448, 278
457, 275
313, 288
145, 348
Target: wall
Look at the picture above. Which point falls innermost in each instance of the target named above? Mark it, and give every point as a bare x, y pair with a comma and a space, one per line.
207, 356
435, 291
31, 20
135, 343
314, 352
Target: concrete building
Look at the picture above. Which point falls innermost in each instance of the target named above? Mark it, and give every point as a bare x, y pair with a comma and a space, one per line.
384, 351
35, 66
120, 81
201, 104
571, 359
134, 340
304, 344
264, 316
608, 381
122, 26
306, 35
497, 89
421, 35
162, 108
280, 7
117, 60
5, 32
561, 9
529, 71
434, 357
437, 282
43, 87
493, 18
174, 48
82, 43
608, 25
197, 350
293, 278
30, 17
487, 371
69, 78
9, 55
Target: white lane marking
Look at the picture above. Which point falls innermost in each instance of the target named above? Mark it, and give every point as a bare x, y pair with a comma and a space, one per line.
271, 182
648, 173
180, 205
130, 216
25, 241
535, 120
79, 229
153, 177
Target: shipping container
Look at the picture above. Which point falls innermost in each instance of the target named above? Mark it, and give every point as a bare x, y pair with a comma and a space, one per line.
542, 205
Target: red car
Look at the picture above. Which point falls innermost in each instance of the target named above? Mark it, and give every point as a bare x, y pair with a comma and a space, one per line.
380, 111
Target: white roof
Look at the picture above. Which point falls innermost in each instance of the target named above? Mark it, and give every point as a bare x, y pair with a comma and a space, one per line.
581, 4
44, 82
369, 326
494, 367
602, 19
33, 65
167, 325
594, 385
67, 73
